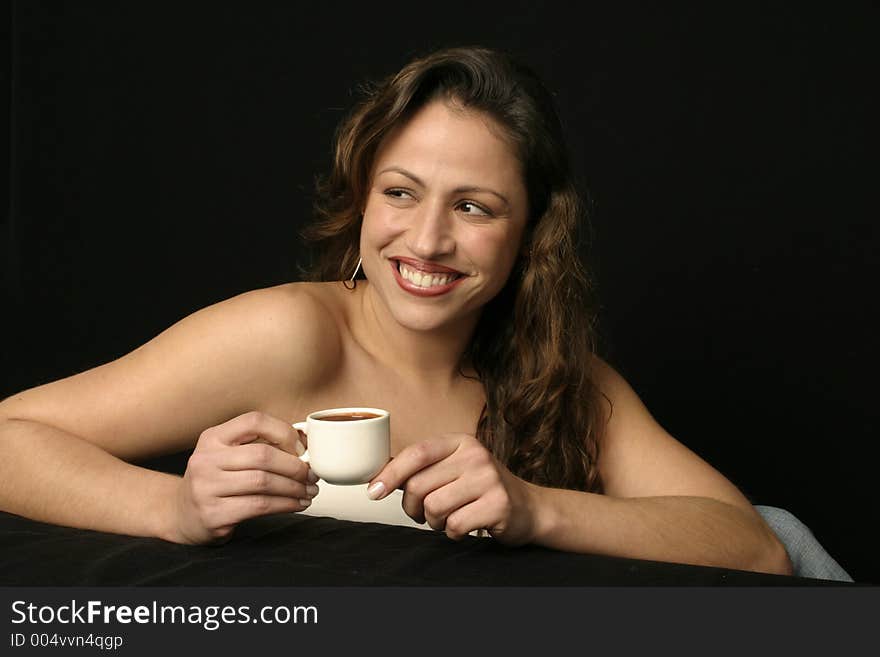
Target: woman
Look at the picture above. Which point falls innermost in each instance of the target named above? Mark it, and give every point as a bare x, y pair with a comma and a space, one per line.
451, 191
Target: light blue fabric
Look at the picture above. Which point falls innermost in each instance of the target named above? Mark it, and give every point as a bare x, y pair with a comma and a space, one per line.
808, 557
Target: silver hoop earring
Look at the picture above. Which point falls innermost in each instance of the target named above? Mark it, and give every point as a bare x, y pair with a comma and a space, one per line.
354, 275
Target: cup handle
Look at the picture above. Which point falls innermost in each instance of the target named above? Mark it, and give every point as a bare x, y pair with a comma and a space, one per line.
301, 426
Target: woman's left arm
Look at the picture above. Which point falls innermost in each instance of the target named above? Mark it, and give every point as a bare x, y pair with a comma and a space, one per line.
661, 501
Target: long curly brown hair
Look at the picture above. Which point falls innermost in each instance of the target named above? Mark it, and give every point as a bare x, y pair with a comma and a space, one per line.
533, 346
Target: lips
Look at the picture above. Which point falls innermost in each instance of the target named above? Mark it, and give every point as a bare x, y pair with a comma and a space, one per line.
427, 266
424, 279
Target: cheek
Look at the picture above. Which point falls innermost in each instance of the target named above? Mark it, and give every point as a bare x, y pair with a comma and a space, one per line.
381, 218
378, 227
505, 246
496, 252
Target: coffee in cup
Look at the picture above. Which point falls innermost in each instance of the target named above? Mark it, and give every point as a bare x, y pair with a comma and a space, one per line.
347, 446
347, 417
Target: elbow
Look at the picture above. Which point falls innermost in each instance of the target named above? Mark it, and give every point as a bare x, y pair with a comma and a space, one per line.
773, 557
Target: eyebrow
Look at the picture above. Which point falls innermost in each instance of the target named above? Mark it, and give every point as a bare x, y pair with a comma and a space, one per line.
457, 190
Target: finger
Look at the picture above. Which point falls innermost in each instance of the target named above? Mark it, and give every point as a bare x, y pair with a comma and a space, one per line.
442, 502
424, 483
256, 456
233, 510
410, 460
260, 482
257, 426
479, 514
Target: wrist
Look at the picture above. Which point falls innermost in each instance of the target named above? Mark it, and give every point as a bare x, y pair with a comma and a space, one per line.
165, 514
542, 512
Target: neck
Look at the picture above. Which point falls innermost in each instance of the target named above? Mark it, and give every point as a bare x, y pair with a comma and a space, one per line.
431, 356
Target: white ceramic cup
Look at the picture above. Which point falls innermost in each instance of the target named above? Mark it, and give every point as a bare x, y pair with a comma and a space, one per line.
347, 452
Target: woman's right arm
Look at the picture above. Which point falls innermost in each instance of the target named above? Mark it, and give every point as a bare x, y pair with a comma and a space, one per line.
208, 381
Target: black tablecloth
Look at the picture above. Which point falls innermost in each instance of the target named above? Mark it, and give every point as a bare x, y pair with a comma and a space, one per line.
297, 550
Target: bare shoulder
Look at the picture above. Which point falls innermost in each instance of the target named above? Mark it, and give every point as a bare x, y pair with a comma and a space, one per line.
273, 334
620, 406
218, 362
296, 329
639, 458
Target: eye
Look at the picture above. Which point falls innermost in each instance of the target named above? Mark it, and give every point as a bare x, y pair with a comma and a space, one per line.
396, 192
469, 207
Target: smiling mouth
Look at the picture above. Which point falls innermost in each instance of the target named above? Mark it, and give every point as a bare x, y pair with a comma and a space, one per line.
425, 279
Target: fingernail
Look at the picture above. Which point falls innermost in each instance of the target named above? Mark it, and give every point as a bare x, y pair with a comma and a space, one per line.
312, 478
299, 449
376, 491
312, 490
305, 502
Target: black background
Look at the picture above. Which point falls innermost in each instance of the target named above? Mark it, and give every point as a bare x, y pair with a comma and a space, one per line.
162, 158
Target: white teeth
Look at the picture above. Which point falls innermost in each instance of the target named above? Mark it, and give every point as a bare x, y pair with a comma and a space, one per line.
424, 279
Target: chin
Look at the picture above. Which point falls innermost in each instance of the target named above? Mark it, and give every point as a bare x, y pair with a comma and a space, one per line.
428, 314
423, 321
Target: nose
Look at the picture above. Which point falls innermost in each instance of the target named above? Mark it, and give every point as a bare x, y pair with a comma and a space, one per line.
430, 234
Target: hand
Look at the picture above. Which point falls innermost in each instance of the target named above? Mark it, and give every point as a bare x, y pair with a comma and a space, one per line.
244, 468
457, 486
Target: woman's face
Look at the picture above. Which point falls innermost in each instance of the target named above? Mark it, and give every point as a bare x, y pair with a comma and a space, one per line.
444, 217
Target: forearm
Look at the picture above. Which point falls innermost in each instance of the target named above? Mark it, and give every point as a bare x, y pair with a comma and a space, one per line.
695, 530
53, 476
